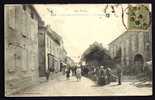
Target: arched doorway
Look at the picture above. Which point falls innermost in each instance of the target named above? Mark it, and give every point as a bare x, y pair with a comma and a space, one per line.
138, 62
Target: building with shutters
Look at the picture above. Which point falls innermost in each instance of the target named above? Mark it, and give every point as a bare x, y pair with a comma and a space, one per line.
51, 51
21, 47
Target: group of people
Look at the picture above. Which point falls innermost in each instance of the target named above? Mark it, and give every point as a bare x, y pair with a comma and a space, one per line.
76, 71
104, 75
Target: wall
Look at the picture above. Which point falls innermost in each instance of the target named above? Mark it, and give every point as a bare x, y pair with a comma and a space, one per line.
132, 43
21, 48
54, 49
41, 48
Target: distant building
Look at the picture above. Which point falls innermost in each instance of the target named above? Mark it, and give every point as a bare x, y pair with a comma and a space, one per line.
70, 62
134, 47
51, 51
21, 47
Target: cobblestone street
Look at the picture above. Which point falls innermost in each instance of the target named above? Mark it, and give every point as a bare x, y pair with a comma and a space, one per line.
85, 87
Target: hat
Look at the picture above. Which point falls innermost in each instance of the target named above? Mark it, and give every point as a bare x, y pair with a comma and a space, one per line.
78, 66
101, 66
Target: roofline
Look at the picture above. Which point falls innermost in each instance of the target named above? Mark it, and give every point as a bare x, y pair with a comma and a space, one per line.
53, 32
33, 8
117, 38
133, 30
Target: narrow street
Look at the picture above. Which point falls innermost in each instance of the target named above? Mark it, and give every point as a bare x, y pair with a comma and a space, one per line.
85, 87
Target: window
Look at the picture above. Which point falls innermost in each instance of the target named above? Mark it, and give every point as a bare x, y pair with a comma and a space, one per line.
32, 15
24, 7
12, 17
24, 59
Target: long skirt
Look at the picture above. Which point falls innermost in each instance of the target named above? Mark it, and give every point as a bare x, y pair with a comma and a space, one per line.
101, 81
78, 75
67, 75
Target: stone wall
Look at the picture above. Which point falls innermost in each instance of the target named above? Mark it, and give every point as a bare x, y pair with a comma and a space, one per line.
41, 46
132, 43
21, 48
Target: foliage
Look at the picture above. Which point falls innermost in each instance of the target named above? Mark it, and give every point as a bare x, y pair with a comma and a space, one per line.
97, 52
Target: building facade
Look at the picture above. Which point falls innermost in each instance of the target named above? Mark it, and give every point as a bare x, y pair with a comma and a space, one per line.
51, 51
21, 47
70, 62
134, 47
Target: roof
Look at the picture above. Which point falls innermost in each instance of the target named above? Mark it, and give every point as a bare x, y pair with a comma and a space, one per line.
126, 33
57, 38
34, 9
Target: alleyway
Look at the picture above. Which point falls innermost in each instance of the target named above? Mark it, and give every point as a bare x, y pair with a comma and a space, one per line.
85, 87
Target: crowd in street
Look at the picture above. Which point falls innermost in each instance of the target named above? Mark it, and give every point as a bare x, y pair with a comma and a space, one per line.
103, 74
73, 71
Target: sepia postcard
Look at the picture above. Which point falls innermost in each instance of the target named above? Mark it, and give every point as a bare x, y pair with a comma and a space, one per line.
78, 50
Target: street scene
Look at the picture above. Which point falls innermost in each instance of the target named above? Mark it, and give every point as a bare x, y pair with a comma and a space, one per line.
78, 50
72, 87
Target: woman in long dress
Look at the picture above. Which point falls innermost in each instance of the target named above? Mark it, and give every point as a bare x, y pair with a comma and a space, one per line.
102, 76
78, 73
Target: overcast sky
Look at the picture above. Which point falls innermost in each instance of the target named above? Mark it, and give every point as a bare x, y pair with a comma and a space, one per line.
81, 25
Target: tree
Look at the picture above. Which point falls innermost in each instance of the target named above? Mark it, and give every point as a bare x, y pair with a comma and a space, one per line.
96, 52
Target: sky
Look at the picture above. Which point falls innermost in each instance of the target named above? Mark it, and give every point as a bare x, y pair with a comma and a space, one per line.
81, 25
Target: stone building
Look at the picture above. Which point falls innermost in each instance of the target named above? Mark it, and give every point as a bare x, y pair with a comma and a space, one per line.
133, 48
70, 61
63, 56
51, 52
21, 47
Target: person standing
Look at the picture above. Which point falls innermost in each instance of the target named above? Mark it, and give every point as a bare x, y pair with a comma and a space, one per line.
102, 76
67, 73
108, 73
119, 73
78, 73
47, 75
97, 73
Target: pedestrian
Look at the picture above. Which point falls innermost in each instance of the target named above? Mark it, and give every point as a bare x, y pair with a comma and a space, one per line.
119, 73
71, 72
64, 70
67, 73
78, 73
52, 69
47, 75
102, 76
97, 73
86, 71
109, 74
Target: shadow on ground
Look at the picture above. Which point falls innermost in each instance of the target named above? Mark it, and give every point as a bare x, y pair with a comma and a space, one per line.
142, 84
114, 85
